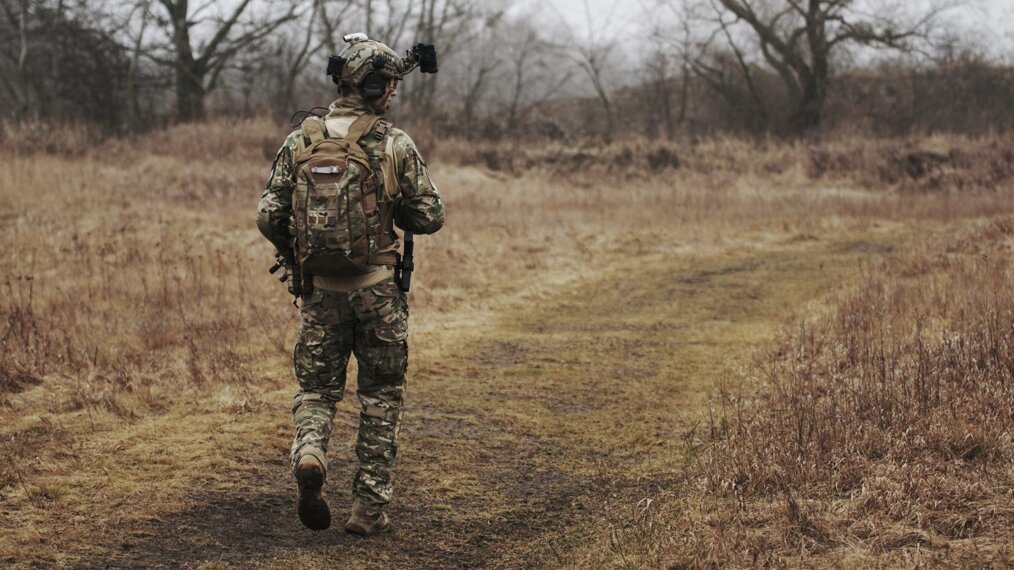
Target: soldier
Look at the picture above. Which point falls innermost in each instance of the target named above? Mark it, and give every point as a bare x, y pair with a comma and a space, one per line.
356, 308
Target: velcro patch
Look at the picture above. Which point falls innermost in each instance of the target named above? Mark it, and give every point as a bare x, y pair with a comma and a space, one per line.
375, 412
326, 169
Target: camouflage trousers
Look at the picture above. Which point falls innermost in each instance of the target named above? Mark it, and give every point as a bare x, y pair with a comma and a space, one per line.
371, 323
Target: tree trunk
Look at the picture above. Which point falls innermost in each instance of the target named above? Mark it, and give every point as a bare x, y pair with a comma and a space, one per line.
190, 89
189, 95
20, 77
807, 117
667, 114
133, 95
610, 122
684, 94
810, 111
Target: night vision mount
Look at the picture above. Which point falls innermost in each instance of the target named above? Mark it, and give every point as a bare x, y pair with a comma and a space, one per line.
423, 56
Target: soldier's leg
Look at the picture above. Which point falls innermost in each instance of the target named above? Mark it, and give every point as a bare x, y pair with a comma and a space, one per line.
381, 349
320, 358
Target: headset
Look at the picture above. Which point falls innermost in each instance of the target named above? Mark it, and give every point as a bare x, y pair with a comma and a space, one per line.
374, 85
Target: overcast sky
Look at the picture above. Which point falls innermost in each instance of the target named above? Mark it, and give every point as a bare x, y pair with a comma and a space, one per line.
988, 23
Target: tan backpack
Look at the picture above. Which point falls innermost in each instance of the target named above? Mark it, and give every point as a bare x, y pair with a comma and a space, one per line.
338, 219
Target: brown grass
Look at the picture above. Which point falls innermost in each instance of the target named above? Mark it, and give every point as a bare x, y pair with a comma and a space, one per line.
137, 318
926, 164
875, 432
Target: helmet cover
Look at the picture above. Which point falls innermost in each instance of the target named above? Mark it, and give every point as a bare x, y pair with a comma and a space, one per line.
363, 56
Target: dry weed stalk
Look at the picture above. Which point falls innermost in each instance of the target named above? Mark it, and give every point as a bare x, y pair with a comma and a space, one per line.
886, 423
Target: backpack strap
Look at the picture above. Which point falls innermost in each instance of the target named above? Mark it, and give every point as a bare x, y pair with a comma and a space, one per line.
357, 129
380, 128
313, 129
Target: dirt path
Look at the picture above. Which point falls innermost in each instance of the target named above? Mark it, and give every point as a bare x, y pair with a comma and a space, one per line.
523, 430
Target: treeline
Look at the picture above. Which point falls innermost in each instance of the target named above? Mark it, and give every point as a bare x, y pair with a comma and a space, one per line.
760, 67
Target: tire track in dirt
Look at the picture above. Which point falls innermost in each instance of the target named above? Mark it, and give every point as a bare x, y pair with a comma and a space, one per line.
514, 442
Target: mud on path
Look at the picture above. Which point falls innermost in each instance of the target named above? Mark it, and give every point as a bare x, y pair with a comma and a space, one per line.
520, 431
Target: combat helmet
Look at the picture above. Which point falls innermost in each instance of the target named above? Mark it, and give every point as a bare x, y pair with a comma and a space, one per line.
368, 64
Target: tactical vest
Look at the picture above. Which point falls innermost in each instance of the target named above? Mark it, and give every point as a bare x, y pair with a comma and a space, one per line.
342, 217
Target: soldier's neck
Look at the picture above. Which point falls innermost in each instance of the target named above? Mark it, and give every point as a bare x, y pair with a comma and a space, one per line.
352, 105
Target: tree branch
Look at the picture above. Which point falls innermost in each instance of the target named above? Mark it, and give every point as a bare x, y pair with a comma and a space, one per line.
223, 32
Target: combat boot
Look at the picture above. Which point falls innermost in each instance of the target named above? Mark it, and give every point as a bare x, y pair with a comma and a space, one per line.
313, 509
366, 521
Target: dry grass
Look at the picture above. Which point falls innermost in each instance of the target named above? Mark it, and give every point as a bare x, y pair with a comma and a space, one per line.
118, 281
926, 164
876, 432
137, 318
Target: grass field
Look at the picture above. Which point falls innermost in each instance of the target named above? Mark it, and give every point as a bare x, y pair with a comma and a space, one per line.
625, 356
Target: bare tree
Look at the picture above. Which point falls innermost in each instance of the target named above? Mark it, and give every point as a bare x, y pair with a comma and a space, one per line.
16, 14
798, 37
723, 65
329, 23
477, 71
680, 43
60, 60
444, 23
591, 53
297, 49
387, 20
141, 10
660, 87
198, 70
532, 76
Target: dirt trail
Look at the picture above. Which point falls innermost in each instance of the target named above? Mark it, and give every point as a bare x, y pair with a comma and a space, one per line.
518, 435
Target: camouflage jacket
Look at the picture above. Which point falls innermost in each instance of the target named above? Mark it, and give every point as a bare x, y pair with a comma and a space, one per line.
417, 205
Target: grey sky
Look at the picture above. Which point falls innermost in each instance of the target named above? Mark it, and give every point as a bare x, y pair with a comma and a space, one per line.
987, 23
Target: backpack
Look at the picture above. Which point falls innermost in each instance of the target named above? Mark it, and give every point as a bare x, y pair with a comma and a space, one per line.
339, 214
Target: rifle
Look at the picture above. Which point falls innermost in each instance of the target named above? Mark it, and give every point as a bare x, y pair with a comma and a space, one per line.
403, 269
290, 272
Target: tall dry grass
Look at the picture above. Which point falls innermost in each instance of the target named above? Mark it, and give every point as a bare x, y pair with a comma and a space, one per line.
895, 412
127, 279
944, 163
875, 432
133, 267
135, 281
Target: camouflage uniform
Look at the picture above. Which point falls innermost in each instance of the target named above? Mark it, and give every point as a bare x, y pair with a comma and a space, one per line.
364, 315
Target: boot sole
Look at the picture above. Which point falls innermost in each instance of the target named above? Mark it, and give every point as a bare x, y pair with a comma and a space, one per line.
313, 510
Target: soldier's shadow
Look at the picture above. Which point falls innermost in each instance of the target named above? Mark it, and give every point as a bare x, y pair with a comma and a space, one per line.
255, 521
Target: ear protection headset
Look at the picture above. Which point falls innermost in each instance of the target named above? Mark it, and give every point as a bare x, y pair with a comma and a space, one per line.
374, 84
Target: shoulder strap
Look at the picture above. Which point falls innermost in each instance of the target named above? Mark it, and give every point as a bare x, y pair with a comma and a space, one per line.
361, 126
357, 129
313, 129
389, 166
